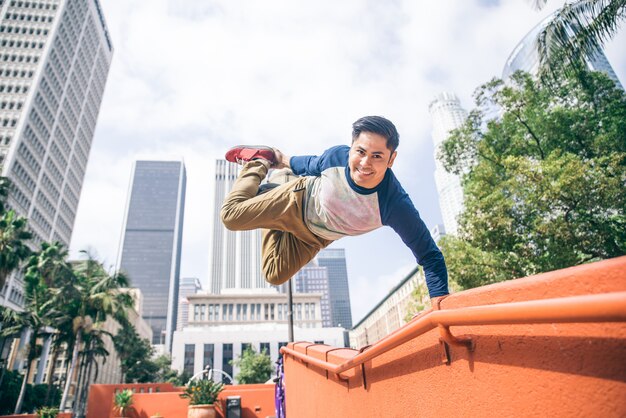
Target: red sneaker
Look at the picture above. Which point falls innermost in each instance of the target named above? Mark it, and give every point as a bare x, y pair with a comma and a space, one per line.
244, 153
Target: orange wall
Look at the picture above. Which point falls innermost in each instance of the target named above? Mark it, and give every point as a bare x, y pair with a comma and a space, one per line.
256, 400
558, 370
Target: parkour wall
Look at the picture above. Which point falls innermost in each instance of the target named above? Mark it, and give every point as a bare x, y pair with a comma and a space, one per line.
561, 355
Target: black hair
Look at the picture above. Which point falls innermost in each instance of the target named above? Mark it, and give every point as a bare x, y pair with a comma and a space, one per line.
377, 125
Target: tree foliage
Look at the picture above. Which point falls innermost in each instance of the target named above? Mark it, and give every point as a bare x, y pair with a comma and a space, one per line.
135, 355
253, 367
543, 183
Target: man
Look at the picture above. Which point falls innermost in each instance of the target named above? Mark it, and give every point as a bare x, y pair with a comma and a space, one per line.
345, 191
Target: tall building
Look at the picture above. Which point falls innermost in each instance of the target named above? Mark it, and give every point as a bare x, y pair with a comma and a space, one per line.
334, 259
234, 256
525, 57
447, 114
313, 279
188, 286
54, 61
151, 242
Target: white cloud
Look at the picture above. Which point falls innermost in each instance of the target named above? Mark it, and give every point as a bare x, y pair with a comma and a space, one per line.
192, 78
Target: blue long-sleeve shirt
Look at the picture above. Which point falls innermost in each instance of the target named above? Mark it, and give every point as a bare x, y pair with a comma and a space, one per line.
336, 206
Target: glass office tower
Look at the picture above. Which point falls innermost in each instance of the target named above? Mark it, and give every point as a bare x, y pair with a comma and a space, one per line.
151, 246
334, 259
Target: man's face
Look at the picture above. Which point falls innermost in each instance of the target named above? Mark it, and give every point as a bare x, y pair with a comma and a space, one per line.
369, 159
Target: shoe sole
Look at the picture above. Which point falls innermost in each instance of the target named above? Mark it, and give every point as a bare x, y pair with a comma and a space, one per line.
232, 154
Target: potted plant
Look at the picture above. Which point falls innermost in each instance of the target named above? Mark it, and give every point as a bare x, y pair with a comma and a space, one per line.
202, 395
47, 412
123, 401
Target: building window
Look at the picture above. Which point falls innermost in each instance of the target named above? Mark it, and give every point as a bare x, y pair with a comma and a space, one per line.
244, 314
202, 312
244, 347
227, 356
190, 351
196, 312
210, 312
280, 311
239, 312
209, 350
265, 348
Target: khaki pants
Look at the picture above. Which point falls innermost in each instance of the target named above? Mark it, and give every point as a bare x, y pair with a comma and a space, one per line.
288, 245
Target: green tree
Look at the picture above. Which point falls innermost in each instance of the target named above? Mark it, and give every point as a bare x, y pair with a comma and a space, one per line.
135, 355
253, 367
92, 297
169, 375
576, 33
38, 314
543, 183
13, 238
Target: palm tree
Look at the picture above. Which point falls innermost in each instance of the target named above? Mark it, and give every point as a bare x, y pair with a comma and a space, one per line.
576, 33
93, 296
13, 248
38, 314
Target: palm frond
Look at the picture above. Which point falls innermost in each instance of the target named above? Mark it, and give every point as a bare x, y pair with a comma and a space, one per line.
576, 33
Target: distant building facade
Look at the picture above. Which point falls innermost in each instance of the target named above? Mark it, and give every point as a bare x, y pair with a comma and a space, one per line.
334, 259
188, 286
222, 326
234, 256
447, 114
411, 294
314, 279
54, 62
151, 244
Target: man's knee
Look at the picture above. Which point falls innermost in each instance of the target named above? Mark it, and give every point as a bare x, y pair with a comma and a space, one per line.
229, 218
273, 275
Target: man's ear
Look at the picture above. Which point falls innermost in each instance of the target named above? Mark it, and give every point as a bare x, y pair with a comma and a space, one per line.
391, 159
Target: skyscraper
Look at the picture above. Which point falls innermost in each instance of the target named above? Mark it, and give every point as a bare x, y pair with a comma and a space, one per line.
151, 243
447, 114
234, 257
525, 57
313, 279
54, 61
334, 259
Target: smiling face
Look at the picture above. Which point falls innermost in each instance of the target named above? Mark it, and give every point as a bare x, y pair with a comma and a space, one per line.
369, 159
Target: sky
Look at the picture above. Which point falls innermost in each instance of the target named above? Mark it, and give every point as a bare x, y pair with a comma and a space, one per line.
191, 78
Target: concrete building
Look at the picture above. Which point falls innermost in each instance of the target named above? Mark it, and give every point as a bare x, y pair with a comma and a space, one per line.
234, 256
188, 286
54, 61
151, 243
222, 326
408, 296
525, 56
447, 114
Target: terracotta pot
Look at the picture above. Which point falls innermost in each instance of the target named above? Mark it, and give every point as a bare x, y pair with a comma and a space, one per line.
201, 411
